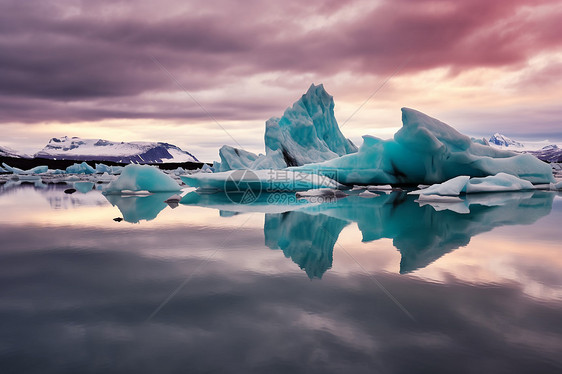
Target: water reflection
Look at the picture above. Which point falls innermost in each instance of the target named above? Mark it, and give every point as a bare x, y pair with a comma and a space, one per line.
137, 208
306, 239
307, 233
76, 297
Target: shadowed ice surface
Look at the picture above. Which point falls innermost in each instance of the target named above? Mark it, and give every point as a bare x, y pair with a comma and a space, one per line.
189, 290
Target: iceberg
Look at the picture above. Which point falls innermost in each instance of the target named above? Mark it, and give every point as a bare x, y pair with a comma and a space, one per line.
35, 170
500, 182
258, 180
82, 168
307, 132
116, 170
235, 159
84, 187
426, 150
103, 168
142, 178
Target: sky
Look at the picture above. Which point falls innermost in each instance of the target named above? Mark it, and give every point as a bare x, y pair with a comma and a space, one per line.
199, 73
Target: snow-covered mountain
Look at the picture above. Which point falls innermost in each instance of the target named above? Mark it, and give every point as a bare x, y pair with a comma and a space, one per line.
75, 148
550, 153
543, 150
8, 152
504, 141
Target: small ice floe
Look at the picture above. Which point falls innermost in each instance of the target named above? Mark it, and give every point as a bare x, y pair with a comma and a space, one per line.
135, 192
386, 188
381, 187
72, 178
141, 179
84, 187
82, 168
103, 168
104, 178
206, 169
321, 195
500, 182
368, 194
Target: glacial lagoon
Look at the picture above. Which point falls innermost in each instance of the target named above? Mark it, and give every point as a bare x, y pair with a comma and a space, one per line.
356, 285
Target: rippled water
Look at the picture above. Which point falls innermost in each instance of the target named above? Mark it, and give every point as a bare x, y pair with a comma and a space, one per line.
360, 285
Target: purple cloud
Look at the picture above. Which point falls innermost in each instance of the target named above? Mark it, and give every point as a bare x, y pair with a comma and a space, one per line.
96, 54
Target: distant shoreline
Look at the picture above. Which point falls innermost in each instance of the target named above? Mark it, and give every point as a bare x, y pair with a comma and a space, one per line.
28, 163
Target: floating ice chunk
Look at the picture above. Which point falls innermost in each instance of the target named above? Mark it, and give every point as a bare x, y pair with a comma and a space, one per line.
72, 178
235, 159
206, 169
322, 192
104, 178
258, 180
427, 151
497, 183
500, 182
12, 169
103, 168
142, 178
382, 187
179, 171
116, 170
82, 168
37, 170
135, 193
557, 186
2, 170
452, 187
368, 194
84, 187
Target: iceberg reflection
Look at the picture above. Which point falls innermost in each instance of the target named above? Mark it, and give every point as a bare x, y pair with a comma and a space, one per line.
422, 233
137, 208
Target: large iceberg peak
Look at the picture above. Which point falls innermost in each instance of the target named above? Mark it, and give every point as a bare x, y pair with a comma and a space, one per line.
309, 124
307, 132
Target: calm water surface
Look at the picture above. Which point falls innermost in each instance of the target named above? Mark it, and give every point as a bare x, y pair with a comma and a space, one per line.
361, 285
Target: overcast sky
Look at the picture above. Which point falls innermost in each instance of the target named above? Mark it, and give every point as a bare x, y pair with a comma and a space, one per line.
113, 69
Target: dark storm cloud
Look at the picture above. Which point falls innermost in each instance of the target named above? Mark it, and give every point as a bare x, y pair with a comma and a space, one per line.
87, 52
